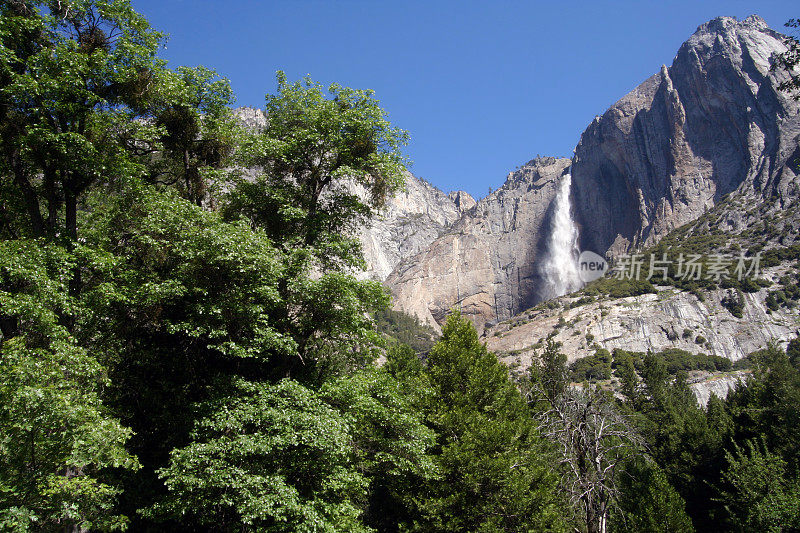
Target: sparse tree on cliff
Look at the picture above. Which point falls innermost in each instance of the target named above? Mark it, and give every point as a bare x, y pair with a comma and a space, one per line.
789, 60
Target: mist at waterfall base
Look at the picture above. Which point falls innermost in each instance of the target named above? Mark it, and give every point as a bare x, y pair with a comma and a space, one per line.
559, 270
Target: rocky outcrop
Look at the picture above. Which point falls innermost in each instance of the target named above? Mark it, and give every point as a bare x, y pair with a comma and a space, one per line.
485, 263
251, 118
411, 221
651, 322
711, 123
719, 385
463, 200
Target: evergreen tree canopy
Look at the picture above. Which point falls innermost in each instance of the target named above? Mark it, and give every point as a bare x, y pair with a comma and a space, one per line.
494, 464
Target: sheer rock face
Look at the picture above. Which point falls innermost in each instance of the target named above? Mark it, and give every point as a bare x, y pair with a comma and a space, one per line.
719, 386
711, 123
411, 220
485, 262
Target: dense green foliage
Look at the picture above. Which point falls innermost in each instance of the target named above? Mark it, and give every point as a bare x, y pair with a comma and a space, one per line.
592, 368
619, 288
57, 437
603, 364
405, 329
141, 303
251, 460
698, 449
731, 466
675, 360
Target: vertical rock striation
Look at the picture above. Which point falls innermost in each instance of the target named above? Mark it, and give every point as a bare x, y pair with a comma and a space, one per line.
410, 222
485, 262
710, 124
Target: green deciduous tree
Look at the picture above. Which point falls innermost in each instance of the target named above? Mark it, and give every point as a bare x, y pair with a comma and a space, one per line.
174, 291
328, 163
175, 299
285, 458
267, 457
192, 133
391, 442
71, 74
57, 439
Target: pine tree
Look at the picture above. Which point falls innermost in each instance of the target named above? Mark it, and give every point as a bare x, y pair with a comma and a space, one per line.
495, 467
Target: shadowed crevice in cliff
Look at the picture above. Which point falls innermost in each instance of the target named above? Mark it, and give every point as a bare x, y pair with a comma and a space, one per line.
605, 207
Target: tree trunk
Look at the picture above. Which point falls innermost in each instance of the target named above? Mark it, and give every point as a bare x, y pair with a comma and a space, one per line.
51, 195
71, 223
187, 179
8, 327
591, 519
30, 197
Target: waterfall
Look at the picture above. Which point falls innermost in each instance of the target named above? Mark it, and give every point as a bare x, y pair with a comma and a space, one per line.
560, 266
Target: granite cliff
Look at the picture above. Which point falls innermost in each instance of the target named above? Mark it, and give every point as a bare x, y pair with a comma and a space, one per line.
408, 224
710, 133
485, 263
711, 127
712, 123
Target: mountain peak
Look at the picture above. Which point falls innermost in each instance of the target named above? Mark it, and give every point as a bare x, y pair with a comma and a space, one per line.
462, 199
710, 124
727, 24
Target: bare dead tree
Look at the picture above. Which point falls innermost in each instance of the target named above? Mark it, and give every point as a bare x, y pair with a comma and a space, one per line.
593, 438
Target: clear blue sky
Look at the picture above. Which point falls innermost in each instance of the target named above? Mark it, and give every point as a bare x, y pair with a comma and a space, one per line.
481, 86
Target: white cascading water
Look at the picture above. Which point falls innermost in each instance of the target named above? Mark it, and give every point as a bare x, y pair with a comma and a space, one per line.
560, 265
